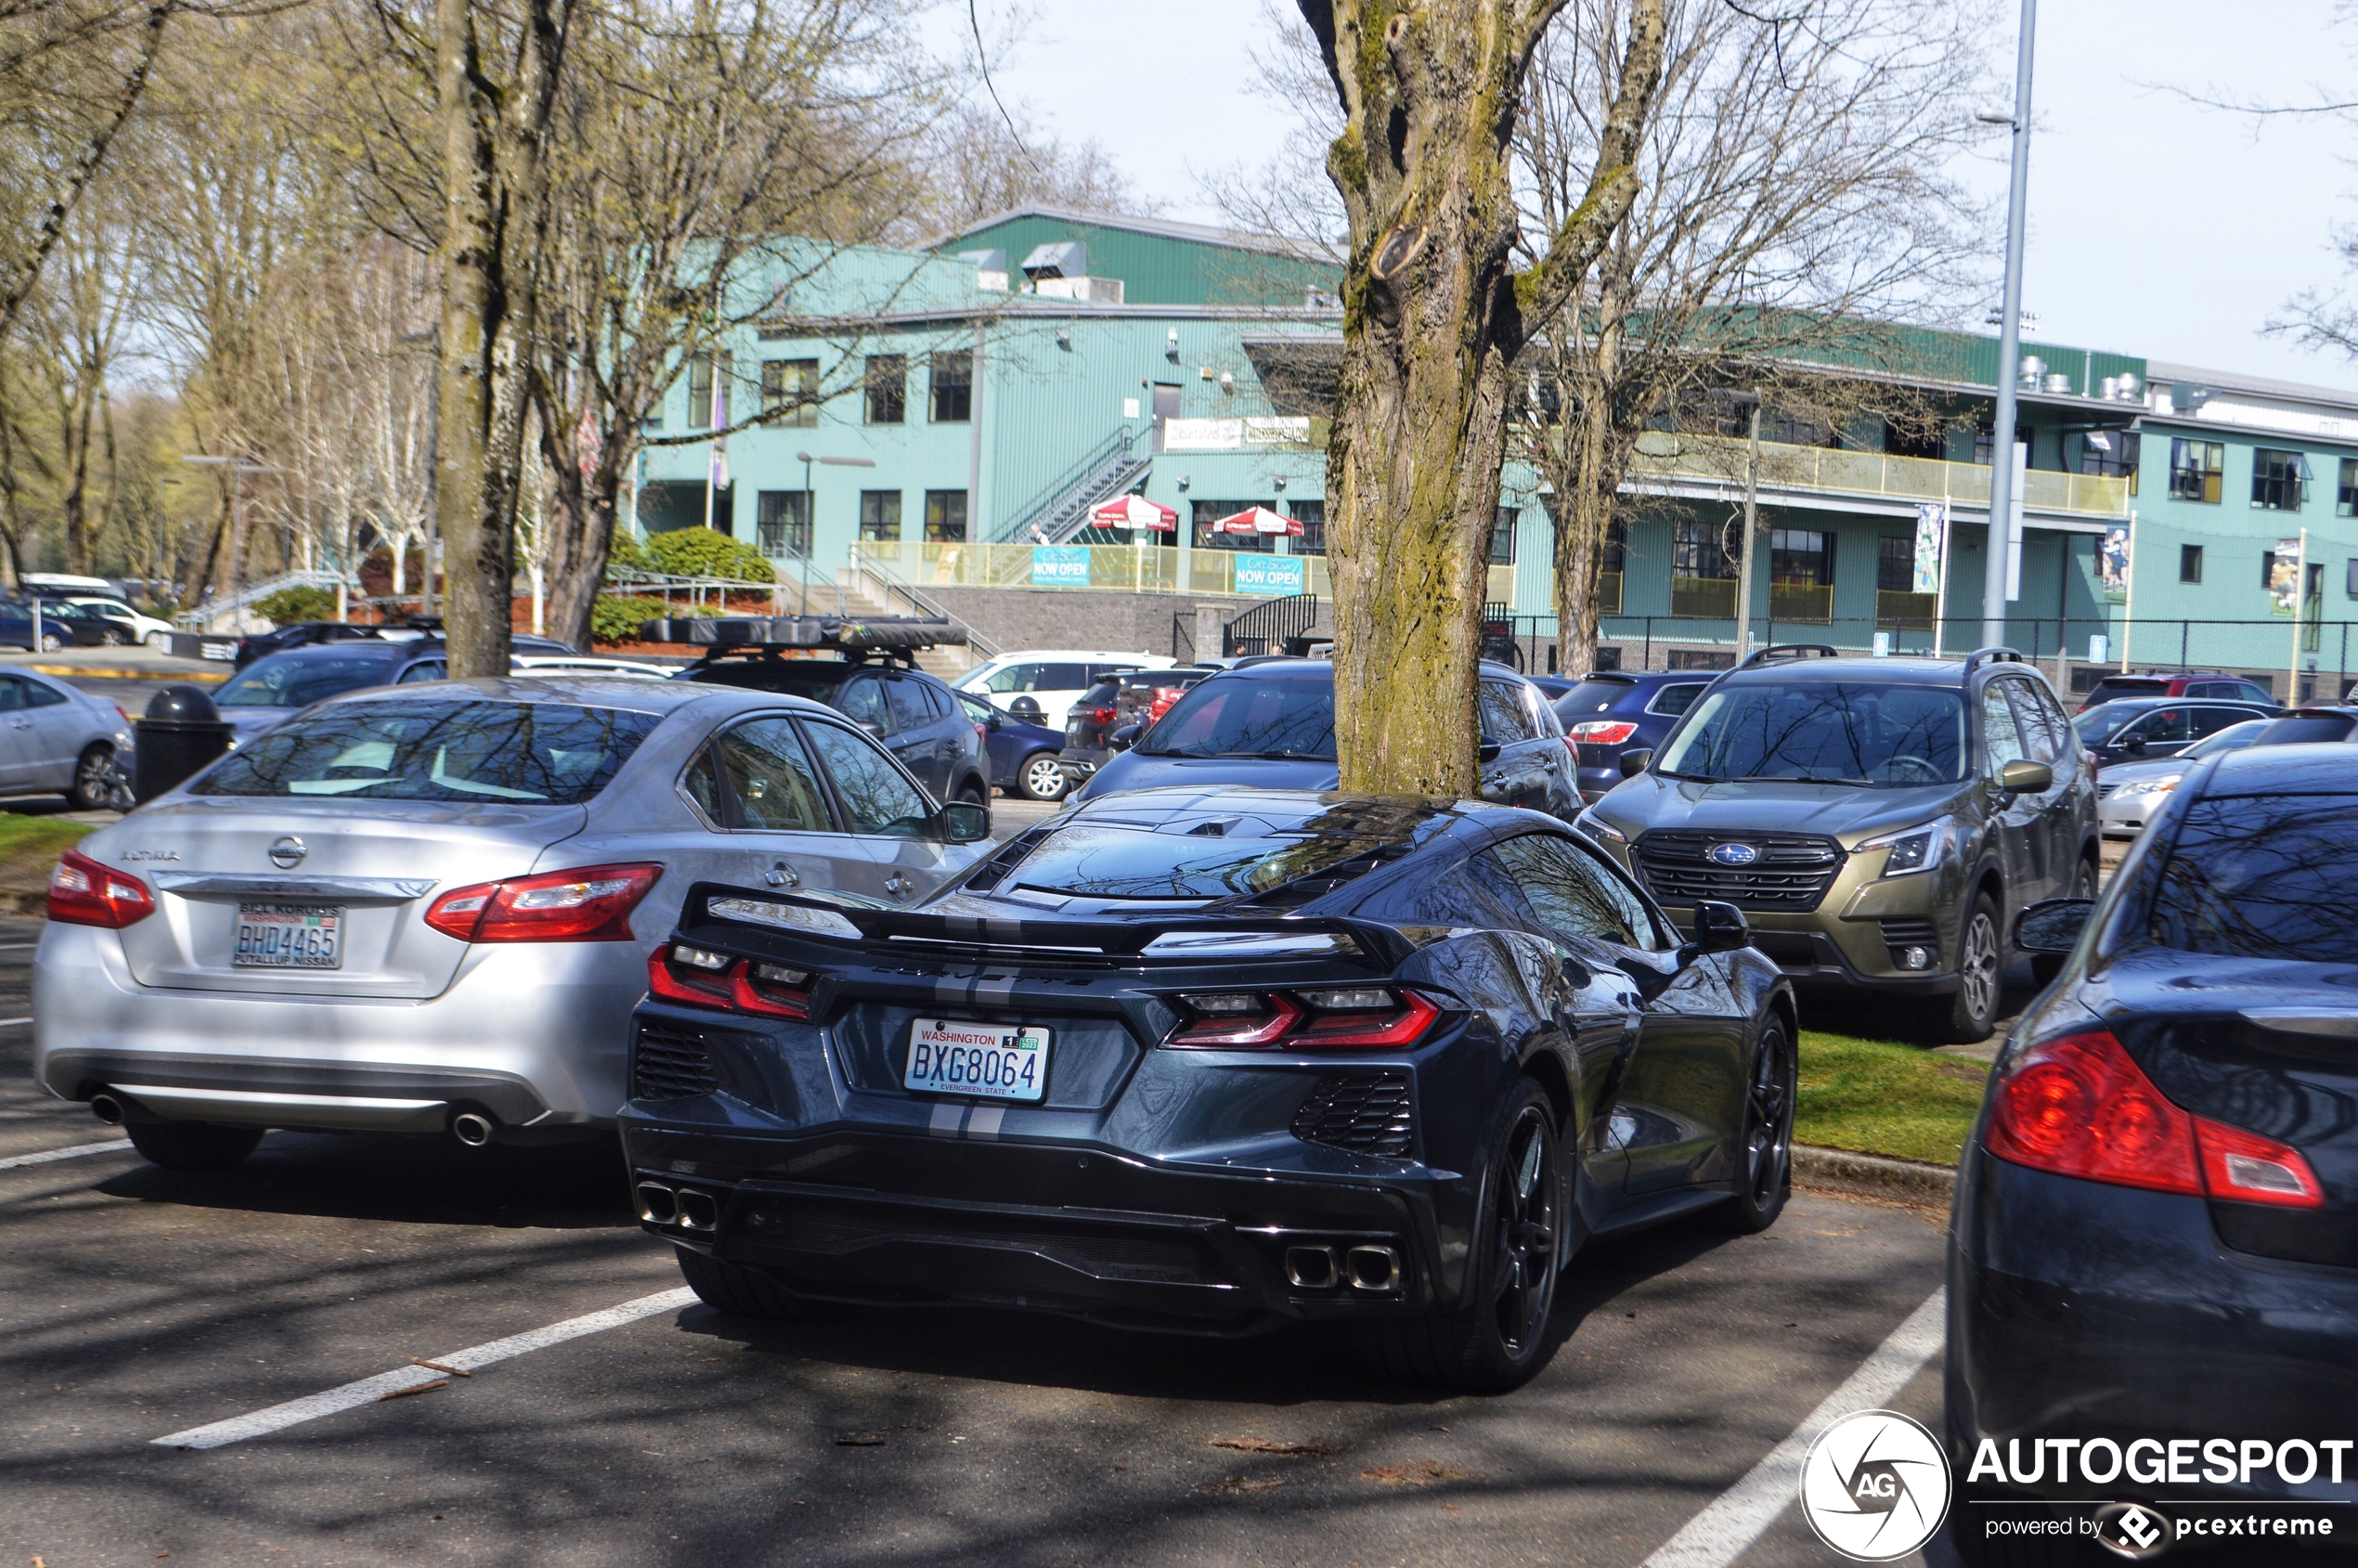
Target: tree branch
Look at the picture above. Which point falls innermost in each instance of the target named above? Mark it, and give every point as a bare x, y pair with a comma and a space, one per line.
1542, 290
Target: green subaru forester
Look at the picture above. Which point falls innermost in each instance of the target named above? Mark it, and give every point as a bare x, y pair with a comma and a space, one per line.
1877, 820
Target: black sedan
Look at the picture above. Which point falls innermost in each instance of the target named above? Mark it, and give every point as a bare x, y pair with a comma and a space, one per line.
2153, 1257
1209, 1059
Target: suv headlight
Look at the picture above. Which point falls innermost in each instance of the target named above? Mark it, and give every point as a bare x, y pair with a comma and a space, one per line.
2162, 785
1597, 828
1912, 849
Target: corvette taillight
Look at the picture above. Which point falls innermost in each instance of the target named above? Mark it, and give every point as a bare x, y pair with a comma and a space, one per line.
1599, 731
2079, 1106
587, 904
678, 972
1351, 1018
82, 893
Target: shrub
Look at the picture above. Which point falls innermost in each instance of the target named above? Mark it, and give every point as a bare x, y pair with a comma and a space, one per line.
291, 604
705, 552
627, 551
616, 617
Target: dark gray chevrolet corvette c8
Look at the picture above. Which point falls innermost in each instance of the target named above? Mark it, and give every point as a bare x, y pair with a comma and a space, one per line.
1212, 1059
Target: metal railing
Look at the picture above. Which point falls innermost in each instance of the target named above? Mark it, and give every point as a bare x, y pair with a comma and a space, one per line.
1131, 568
1114, 447
1266, 627
866, 566
214, 609
1662, 454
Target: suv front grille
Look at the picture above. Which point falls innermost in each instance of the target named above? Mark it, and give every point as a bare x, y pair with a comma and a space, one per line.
1367, 1112
670, 1064
1791, 873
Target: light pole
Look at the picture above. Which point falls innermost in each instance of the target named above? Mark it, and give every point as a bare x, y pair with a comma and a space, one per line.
810, 512
1752, 527
2001, 456
238, 468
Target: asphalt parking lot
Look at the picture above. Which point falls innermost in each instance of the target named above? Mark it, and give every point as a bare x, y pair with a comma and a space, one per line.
137, 1304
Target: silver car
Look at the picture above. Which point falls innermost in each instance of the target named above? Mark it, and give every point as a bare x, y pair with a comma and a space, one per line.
2127, 794
428, 909
55, 740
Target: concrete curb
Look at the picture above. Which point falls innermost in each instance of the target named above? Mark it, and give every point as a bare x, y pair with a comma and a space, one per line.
106, 672
1873, 1175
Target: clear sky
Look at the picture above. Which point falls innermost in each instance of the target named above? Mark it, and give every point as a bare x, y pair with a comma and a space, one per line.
2156, 226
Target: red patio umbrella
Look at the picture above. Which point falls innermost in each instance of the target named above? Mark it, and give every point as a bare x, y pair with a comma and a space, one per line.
1135, 512
1258, 520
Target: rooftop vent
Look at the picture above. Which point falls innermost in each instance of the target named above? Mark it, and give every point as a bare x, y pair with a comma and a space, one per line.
990, 268
1060, 258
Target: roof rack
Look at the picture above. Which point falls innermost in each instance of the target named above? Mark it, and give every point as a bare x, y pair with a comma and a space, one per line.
1790, 651
1981, 656
889, 635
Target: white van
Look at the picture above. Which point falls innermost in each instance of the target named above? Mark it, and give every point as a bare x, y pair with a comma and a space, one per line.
1053, 678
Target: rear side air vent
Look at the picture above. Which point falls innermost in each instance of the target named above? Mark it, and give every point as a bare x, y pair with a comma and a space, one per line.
670, 1064
1367, 1112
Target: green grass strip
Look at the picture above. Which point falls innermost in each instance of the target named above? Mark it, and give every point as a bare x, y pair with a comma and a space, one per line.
1877, 1097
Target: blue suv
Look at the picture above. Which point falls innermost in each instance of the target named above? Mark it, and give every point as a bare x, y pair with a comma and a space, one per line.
1610, 711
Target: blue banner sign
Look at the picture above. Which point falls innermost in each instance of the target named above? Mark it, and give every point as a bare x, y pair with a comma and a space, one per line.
1271, 574
1060, 566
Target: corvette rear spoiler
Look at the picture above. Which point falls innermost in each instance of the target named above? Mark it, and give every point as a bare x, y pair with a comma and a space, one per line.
1215, 938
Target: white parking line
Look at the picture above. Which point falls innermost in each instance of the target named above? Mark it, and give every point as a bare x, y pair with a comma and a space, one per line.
1736, 1518
367, 1391
5, 1022
76, 1152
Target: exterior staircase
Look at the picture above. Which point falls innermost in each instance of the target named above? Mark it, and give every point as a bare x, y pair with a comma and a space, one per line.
869, 589
1061, 509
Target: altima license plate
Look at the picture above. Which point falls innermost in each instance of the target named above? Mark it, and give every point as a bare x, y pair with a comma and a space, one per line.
273, 936
989, 1061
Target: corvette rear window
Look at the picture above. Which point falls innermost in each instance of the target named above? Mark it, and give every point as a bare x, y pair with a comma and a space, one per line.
545, 754
1215, 857
2255, 876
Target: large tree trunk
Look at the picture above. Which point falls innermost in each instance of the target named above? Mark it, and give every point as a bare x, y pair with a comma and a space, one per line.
1433, 317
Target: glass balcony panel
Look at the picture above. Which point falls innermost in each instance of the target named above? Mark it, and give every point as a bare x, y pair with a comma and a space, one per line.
1713, 598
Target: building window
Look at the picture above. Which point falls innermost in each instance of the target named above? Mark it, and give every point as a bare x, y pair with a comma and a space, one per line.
782, 523
945, 516
2112, 453
880, 514
2190, 562
1915, 440
1897, 604
2279, 479
1801, 575
1797, 429
1502, 537
1985, 442
888, 384
953, 387
1209, 513
2196, 470
2346, 493
791, 385
1701, 580
700, 392
1312, 515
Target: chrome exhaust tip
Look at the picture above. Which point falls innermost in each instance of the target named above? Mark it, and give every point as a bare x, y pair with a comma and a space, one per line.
1373, 1269
1311, 1268
473, 1128
106, 1108
698, 1210
658, 1205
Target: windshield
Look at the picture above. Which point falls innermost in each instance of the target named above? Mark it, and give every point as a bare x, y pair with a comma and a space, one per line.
1833, 731
814, 678
2261, 876
1592, 695
547, 753
1239, 716
2096, 724
1249, 856
2235, 737
301, 681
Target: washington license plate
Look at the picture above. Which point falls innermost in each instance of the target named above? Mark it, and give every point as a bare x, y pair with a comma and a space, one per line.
988, 1062
276, 935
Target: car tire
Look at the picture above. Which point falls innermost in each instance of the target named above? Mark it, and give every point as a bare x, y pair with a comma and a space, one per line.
193, 1146
94, 780
744, 1292
113, 637
1969, 1014
51, 643
973, 792
158, 640
1763, 1154
1038, 777
1502, 1336
2045, 967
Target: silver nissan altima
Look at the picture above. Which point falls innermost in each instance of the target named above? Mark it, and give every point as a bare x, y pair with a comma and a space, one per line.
428, 909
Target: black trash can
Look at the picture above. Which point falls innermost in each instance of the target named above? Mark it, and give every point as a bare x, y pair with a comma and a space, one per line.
181, 733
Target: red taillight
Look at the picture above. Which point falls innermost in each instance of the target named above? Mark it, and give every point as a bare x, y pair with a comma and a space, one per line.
1361, 1018
676, 972
2078, 1105
587, 904
82, 893
1600, 731
1101, 716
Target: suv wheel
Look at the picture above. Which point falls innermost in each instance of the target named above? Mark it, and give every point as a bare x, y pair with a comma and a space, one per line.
1967, 1017
1040, 777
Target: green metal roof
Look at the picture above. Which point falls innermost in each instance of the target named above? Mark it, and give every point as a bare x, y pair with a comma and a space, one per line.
1162, 263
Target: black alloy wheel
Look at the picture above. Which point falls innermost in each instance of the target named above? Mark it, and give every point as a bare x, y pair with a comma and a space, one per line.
95, 780
1499, 1338
1967, 1017
193, 1146
1764, 1158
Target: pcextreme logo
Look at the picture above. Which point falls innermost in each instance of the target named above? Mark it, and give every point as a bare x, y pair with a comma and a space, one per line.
1875, 1485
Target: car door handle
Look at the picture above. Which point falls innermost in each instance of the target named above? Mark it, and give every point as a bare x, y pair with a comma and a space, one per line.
20, 723
898, 884
783, 876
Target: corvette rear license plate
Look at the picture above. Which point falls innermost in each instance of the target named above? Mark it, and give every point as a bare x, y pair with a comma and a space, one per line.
275, 936
988, 1062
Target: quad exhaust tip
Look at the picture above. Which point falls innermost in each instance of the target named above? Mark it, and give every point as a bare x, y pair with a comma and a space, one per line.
1367, 1268
1312, 1268
106, 1108
1374, 1268
473, 1128
685, 1206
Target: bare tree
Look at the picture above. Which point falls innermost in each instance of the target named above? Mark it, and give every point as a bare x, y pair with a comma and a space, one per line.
1435, 314
976, 167
1794, 206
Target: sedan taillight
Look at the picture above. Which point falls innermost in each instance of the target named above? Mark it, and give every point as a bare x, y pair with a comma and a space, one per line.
82, 893
1342, 1018
2079, 1106
587, 904
1599, 731
678, 972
